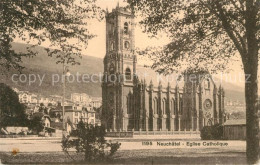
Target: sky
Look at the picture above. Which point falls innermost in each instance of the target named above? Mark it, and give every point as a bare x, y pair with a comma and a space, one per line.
97, 45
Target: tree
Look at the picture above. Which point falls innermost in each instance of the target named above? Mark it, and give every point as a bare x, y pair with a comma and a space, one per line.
36, 124
238, 115
203, 31
63, 23
91, 141
98, 112
12, 112
214, 132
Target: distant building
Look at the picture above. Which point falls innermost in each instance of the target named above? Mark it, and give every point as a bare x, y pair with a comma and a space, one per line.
44, 100
98, 122
30, 98
55, 99
74, 114
81, 98
235, 129
34, 99
91, 115
96, 102
26, 97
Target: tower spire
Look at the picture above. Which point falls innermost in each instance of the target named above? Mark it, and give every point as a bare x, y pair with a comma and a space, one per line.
117, 3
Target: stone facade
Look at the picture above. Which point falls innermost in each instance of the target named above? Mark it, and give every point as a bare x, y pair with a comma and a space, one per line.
130, 101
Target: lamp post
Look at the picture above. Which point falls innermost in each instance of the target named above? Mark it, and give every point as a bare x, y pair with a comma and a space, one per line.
65, 73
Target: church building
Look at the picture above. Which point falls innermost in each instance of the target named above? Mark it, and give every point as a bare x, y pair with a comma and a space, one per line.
135, 101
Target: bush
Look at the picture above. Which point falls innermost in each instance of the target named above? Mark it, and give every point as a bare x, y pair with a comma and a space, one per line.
214, 132
36, 124
91, 141
12, 111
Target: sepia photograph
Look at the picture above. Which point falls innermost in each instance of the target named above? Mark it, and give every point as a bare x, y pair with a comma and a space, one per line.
129, 82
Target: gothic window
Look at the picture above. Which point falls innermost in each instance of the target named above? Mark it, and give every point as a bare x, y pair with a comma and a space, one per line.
164, 106
181, 105
127, 45
113, 31
125, 28
129, 103
128, 74
112, 73
155, 106
207, 84
173, 109
112, 46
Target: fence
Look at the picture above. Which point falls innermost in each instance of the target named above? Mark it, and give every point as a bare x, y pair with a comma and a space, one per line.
17, 136
165, 132
119, 134
136, 133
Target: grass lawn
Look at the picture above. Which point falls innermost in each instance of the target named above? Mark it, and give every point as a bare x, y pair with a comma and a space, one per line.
162, 156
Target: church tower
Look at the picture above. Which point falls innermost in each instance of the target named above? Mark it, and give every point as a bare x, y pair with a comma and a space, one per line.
119, 69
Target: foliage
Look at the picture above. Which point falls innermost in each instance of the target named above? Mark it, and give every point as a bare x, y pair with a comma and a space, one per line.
12, 111
36, 124
90, 140
98, 112
43, 109
237, 115
204, 36
214, 132
205, 133
62, 23
199, 30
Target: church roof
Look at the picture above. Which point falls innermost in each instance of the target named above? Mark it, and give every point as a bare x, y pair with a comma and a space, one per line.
149, 75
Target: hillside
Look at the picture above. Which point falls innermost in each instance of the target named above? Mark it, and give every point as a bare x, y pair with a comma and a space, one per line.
42, 65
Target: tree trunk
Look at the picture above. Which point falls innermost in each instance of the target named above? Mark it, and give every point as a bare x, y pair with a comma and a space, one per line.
250, 62
251, 95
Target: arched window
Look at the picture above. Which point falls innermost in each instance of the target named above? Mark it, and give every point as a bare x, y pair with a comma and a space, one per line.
127, 45
155, 106
129, 103
112, 46
128, 74
125, 28
111, 69
112, 73
181, 105
164, 106
113, 31
207, 84
173, 107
